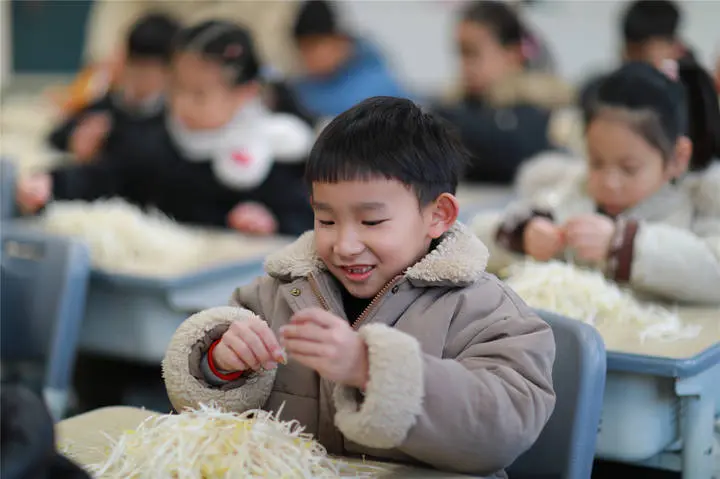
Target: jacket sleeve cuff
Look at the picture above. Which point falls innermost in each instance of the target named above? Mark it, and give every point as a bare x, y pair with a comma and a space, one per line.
622, 245
510, 233
393, 398
212, 374
186, 382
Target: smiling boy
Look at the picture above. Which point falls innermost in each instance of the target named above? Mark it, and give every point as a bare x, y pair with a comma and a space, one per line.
400, 346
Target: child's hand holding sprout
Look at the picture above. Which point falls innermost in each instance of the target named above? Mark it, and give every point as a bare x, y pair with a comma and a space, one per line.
315, 338
588, 235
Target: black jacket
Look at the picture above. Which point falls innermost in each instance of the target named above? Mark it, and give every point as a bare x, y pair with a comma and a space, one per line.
27, 449
140, 163
498, 139
187, 191
129, 132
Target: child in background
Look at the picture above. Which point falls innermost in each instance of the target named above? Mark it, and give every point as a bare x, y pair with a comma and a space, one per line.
650, 33
400, 346
28, 447
131, 116
108, 20
627, 215
340, 70
226, 159
505, 114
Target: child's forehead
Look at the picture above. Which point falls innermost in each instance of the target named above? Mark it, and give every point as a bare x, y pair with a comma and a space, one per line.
367, 194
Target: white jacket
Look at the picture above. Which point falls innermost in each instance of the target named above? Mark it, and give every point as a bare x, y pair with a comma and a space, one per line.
243, 151
675, 250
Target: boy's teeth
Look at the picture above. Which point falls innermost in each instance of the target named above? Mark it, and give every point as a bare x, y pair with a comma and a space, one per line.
362, 270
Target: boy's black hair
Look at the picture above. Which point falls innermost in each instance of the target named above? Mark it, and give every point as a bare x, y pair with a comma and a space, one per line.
387, 137
499, 17
650, 19
151, 38
226, 43
314, 18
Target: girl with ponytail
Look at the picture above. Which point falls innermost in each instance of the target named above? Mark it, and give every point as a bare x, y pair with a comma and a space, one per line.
634, 214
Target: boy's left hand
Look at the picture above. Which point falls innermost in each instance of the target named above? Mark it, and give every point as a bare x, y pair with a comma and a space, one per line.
326, 343
589, 236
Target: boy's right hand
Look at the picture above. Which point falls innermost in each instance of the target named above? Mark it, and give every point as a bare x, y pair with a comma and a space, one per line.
33, 193
543, 239
89, 135
248, 344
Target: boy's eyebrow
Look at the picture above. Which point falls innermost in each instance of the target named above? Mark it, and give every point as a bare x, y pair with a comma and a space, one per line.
365, 206
320, 206
370, 206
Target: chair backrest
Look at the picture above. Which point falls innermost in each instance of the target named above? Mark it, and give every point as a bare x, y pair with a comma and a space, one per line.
566, 447
8, 176
44, 283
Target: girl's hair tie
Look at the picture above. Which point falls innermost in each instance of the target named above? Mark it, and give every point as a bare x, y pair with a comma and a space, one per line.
528, 47
233, 51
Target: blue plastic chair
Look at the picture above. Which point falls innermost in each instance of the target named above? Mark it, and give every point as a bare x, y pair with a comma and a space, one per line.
566, 447
8, 175
44, 284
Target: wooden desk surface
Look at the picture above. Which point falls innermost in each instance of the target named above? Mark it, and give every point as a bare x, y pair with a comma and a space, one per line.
627, 340
83, 439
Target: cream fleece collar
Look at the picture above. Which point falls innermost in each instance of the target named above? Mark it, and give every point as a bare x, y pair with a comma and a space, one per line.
459, 259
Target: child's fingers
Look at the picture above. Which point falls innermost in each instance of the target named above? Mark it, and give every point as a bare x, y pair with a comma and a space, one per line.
579, 234
241, 350
258, 347
302, 347
315, 315
303, 331
228, 358
271, 342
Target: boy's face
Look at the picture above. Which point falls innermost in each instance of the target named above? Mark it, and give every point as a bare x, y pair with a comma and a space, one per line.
143, 79
368, 232
485, 61
201, 96
624, 168
322, 55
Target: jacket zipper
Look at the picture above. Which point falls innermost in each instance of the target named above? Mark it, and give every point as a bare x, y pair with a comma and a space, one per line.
373, 304
370, 307
316, 291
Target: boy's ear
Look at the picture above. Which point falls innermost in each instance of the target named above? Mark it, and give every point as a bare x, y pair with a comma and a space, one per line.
444, 213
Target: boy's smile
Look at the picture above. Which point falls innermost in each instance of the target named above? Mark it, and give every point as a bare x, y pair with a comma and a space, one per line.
358, 273
368, 232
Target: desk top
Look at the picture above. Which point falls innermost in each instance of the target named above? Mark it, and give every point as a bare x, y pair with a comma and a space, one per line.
214, 248
82, 439
218, 249
676, 358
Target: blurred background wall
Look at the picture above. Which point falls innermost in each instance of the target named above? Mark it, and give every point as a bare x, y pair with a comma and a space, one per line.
47, 35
